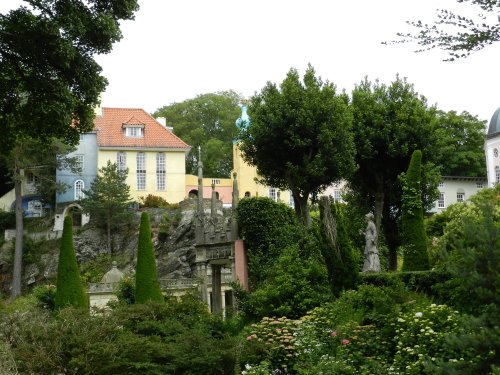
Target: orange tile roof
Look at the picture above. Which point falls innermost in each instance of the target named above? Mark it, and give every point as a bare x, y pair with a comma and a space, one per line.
110, 133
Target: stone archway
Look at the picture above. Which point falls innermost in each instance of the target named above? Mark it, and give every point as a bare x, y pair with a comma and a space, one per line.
76, 211
193, 194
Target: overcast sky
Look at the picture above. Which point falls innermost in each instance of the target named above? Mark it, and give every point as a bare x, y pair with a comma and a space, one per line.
177, 49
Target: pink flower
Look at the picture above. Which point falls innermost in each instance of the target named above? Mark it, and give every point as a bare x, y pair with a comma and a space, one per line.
345, 342
333, 334
251, 337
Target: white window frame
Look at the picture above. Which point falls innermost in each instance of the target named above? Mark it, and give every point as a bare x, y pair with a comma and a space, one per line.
497, 174
337, 196
121, 161
495, 152
460, 197
272, 194
215, 181
292, 202
79, 186
134, 132
80, 162
479, 185
35, 206
441, 184
160, 171
141, 170
441, 201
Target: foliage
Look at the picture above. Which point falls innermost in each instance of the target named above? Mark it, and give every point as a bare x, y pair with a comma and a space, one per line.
126, 290
461, 144
341, 260
153, 201
274, 338
294, 285
49, 76
146, 279
69, 290
267, 228
390, 121
46, 296
458, 35
299, 137
420, 338
7, 220
414, 238
473, 243
108, 200
93, 270
179, 337
207, 121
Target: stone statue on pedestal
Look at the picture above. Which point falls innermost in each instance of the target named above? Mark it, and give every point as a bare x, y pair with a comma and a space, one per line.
372, 263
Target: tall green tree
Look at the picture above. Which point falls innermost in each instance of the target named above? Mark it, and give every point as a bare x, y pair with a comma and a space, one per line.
300, 137
69, 291
208, 121
460, 139
457, 34
108, 200
414, 237
390, 121
49, 80
147, 287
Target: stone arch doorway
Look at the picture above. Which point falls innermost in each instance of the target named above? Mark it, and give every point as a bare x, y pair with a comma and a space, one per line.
193, 193
76, 214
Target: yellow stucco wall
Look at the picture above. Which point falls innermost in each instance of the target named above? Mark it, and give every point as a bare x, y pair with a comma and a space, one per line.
246, 179
175, 173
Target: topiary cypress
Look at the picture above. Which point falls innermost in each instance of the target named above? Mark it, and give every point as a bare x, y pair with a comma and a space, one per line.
341, 260
70, 291
416, 257
147, 287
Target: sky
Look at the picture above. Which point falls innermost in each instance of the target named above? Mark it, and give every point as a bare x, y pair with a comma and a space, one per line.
177, 49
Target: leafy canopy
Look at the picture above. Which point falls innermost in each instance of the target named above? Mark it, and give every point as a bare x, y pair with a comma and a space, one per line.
208, 121
299, 136
49, 79
455, 33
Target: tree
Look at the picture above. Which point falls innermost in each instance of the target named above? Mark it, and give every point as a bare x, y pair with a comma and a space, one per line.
208, 121
340, 259
389, 123
460, 139
49, 80
299, 137
414, 238
147, 287
69, 290
108, 200
457, 34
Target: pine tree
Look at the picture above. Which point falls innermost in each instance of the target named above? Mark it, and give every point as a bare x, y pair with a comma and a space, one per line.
147, 287
69, 290
416, 257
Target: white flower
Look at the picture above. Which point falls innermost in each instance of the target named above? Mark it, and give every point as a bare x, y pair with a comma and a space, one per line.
418, 315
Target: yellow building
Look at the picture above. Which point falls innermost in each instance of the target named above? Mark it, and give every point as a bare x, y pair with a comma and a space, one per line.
154, 156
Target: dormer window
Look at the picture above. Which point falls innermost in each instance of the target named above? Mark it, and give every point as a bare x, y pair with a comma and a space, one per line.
134, 131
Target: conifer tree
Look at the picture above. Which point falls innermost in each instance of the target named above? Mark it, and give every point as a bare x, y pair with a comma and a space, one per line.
414, 238
69, 290
147, 287
340, 259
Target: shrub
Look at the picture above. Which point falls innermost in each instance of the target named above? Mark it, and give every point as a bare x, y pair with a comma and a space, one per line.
46, 296
70, 291
126, 290
153, 201
146, 279
267, 227
414, 238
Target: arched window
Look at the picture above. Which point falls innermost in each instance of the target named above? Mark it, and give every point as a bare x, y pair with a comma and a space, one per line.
247, 194
79, 187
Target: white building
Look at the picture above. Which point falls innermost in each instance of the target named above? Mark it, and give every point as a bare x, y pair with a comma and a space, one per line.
453, 189
492, 150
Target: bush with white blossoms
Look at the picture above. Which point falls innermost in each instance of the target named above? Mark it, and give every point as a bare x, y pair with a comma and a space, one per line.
420, 337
